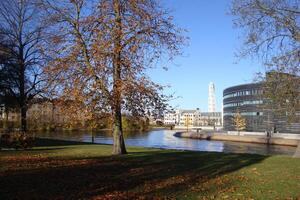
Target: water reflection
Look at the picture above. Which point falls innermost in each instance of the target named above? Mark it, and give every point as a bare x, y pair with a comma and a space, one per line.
165, 139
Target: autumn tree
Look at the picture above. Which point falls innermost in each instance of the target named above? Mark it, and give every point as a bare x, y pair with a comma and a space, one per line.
103, 49
20, 38
187, 123
281, 96
239, 122
272, 34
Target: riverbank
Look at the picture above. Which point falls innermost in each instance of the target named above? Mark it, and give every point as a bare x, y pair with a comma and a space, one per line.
238, 138
72, 170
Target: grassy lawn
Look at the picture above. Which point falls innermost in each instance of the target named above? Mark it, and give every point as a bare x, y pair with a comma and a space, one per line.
66, 170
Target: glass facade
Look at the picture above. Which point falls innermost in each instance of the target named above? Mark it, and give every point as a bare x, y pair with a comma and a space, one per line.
244, 114
246, 100
243, 93
243, 103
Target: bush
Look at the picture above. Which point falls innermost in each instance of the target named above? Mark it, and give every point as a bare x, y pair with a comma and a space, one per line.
17, 140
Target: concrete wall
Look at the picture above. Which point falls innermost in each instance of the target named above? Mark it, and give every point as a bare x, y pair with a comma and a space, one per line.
273, 135
194, 128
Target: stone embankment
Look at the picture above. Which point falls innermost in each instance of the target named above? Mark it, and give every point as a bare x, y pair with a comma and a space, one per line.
297, 152
238, 138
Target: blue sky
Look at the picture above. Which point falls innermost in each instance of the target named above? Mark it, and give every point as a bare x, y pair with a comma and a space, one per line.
210, 55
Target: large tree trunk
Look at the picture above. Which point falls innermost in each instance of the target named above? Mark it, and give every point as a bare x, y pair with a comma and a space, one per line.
22, 100
119, 144
6, 125
23, 118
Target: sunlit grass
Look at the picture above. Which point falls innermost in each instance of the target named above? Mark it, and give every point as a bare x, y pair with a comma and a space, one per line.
76, 170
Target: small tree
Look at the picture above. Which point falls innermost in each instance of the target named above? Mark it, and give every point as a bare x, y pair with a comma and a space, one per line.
186, 122
239, 122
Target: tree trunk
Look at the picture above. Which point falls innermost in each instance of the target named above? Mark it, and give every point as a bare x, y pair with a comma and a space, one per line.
23, 118
22, 100
119, 144
6, 124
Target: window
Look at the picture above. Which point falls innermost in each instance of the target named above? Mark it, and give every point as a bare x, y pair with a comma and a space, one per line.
239, 93
245, 114
242, 103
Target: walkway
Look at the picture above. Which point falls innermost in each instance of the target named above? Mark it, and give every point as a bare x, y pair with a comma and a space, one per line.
297, 152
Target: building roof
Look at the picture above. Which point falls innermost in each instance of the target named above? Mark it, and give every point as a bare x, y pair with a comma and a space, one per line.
215, 114
188, 111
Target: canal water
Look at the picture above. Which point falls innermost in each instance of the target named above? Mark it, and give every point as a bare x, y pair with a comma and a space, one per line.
165, 139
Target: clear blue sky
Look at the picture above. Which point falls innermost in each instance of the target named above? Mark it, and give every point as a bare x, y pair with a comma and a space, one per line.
210, 55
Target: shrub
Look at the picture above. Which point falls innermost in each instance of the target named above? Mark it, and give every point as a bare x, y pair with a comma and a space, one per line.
17, 140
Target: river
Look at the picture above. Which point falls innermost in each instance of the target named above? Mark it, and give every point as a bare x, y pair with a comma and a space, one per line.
164, 139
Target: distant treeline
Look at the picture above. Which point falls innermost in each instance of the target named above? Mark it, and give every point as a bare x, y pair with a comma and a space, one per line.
43, 123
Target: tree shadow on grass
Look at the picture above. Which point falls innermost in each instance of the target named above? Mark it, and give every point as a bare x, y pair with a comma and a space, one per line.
46, 144
42, 142
148, 174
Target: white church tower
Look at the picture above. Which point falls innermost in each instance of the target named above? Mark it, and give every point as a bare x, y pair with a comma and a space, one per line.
211, 97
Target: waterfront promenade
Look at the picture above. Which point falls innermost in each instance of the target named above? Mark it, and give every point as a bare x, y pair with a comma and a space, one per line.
297, 152
260, 138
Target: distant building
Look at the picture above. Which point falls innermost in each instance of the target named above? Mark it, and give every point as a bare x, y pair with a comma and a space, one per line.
196, 117
40, 112
2, 111
193, 118
188, 117
155, 120
210, 119
170, 118
247, 99
211, 97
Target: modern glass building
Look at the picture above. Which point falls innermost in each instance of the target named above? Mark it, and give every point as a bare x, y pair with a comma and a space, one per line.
247, 99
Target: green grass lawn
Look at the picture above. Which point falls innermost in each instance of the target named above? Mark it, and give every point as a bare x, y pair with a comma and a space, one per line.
66, 170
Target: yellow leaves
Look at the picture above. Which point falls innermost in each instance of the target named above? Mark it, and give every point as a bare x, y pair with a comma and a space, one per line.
137, 170
242, 178
38, 161
239, 122
112, 195
254, 170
